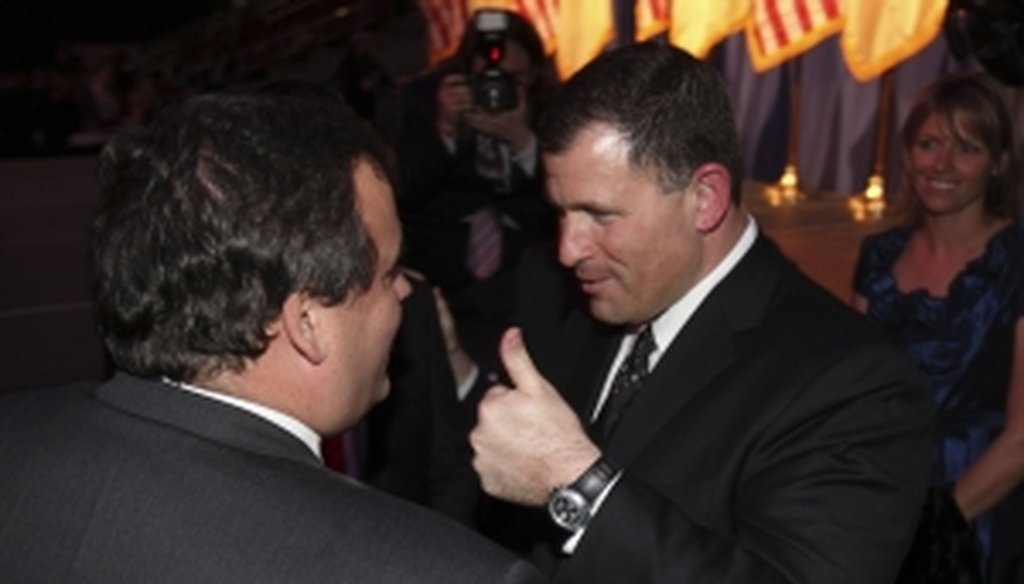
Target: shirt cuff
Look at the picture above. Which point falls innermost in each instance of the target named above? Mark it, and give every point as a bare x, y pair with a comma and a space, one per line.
449, 143
526, 158
467, 384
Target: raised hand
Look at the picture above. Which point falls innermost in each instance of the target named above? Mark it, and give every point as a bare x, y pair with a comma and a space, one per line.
511, 127
527, 440
454, 99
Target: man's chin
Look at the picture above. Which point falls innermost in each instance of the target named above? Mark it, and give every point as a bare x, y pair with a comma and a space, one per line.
605, 311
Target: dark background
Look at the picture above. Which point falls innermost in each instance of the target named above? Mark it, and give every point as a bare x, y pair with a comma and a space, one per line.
31, 29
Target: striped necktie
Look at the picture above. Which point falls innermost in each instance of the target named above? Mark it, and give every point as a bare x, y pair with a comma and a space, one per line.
484, 245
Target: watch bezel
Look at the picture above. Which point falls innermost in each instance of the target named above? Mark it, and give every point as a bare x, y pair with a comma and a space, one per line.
569, 508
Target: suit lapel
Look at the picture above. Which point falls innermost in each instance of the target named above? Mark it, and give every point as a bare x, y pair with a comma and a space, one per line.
704, 348
203, 417
583, 373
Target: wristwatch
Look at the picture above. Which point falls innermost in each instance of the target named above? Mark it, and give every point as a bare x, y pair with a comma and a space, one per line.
570, 506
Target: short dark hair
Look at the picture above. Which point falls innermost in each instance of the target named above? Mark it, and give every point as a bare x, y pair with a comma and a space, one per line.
974, 104
213, 215
673, 110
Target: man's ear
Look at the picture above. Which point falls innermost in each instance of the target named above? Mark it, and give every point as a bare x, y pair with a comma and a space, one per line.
712, 187
300, 325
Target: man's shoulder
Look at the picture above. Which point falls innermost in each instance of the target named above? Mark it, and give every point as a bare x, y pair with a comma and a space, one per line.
415, 543
805, 319
26, 407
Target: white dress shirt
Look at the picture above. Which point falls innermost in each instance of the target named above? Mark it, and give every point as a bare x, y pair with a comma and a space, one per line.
288, 423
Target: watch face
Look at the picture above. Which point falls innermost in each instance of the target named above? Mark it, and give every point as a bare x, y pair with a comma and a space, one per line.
569, 509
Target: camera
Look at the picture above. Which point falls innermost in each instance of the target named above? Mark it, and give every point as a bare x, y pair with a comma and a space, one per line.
494, 89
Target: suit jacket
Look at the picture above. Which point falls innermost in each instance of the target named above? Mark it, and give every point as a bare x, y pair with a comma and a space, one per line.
418, 446
439, 189
779, 439
137, 481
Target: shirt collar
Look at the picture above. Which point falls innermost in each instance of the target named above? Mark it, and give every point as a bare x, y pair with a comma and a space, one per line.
280, 419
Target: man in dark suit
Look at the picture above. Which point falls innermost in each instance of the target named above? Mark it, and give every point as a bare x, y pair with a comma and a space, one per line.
716, 417
247, 289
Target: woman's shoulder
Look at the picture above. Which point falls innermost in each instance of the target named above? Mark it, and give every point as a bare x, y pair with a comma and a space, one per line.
1009, 238
999, 270
885, 246
1005, 249
878, 252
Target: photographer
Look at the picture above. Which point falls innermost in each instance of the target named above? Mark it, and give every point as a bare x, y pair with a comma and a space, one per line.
472, 185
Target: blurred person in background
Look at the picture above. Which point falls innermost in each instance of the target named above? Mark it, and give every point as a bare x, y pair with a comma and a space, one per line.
471, 196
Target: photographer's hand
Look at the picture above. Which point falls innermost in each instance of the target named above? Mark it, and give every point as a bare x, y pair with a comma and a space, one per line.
512, 126
454, 99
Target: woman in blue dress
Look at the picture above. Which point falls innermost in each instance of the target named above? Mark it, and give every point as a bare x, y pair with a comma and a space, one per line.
948, 285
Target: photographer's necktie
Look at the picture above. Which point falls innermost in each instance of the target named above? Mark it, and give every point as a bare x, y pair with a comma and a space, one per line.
628, 379
484, 244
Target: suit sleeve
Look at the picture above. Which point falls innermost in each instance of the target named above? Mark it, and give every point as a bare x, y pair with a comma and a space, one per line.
828, 492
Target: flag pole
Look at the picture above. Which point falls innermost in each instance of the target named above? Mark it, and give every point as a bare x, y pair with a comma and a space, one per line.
875, 192
789, 183
787, 189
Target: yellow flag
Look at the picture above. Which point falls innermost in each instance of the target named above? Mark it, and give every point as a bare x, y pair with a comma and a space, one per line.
698, 25
878, 34
543, 14
652, 18
475, 5
584, 28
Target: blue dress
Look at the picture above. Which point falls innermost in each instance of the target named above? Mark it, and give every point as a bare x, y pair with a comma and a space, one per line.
963, 341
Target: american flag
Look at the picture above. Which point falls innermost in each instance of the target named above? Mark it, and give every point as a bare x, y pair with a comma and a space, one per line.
781, 29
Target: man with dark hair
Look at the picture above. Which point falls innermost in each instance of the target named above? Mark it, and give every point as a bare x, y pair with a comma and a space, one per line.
716, 417
245, 264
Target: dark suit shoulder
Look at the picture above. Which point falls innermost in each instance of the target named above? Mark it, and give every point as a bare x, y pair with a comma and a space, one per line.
804, 314
121, 497
400, 541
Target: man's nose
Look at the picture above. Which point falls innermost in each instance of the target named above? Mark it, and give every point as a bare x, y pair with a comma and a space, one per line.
573, 241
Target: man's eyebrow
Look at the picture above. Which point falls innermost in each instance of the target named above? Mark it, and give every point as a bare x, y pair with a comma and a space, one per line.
590, 207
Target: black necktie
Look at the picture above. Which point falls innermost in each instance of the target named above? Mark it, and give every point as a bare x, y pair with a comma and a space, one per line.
626, 383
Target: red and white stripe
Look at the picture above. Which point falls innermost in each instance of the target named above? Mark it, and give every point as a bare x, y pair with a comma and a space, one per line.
782, 23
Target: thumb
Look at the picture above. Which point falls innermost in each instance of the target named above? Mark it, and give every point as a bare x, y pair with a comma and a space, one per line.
521, 370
